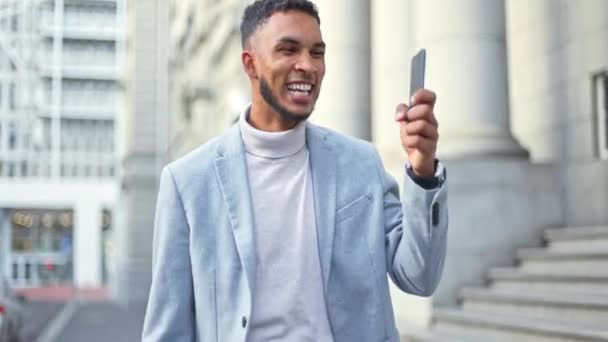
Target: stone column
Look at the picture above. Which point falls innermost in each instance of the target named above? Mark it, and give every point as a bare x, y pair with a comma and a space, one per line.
391, 53
344, 104
87, 244
498, 201
466, 66
141, 134
536, 120
554, 49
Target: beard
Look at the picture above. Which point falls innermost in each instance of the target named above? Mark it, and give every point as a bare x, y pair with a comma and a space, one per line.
286, 114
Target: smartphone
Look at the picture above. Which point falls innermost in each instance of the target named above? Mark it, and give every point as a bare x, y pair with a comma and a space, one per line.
417, 72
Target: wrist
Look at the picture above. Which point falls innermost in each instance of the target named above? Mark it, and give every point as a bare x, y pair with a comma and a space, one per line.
427, 182
426, 169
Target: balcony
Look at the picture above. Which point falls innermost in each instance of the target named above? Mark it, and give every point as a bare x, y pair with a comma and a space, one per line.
82, 33
91, 2
92, 112
101, 73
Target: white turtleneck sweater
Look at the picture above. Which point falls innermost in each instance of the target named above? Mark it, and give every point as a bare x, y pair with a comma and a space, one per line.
288, 301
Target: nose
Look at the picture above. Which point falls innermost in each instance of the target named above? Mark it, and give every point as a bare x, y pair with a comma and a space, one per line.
305, 64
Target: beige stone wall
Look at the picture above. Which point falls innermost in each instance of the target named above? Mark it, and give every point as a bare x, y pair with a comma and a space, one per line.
207, 85
554, 48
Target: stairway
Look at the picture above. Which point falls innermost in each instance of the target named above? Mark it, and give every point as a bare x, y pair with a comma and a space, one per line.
556, 293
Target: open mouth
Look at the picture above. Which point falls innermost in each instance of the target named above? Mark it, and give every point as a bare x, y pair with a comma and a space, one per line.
300, 92
300, 88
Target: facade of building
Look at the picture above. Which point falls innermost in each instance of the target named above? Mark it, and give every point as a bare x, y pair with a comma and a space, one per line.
59, 99
522, 108
522, 102
208, 87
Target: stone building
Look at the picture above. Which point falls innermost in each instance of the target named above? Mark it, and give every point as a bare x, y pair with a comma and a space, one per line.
522, 107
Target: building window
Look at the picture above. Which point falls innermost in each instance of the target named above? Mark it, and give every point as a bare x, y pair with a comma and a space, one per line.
600, 113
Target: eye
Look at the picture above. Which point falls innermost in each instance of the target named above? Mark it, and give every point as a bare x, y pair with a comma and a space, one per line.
317, 53
288, 50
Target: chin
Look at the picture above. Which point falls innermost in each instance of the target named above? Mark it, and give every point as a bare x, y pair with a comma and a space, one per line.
302, 112
299, 108
295, 114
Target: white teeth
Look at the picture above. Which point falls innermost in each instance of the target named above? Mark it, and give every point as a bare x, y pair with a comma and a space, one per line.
300, 87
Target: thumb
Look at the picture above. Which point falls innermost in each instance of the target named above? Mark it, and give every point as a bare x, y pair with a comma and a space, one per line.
401, 112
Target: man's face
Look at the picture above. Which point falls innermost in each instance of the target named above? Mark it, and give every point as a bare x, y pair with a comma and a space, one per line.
290, 65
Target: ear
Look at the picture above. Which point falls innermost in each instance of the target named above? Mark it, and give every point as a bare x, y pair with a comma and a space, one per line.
248, 60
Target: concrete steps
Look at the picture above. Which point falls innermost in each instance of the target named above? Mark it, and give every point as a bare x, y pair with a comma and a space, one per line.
545, 260
577, 239
520, 280
566, 307
435, 336
576, 233
497, 327
555, 293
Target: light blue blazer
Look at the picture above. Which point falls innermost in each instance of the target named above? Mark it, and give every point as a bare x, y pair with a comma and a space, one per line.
204, 250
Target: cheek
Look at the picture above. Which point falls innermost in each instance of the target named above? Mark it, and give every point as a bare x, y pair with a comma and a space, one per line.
321, 71
279, 77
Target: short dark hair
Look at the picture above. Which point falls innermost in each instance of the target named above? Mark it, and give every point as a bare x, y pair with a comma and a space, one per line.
258, 12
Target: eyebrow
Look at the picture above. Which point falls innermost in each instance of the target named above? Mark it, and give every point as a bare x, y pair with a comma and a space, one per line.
290, 40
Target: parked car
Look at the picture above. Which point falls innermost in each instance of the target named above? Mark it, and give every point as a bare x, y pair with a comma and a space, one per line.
11, 313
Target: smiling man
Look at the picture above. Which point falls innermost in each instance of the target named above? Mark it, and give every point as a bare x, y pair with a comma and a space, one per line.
280, 230
283, 82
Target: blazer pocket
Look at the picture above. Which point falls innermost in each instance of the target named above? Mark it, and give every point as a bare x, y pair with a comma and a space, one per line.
358, 205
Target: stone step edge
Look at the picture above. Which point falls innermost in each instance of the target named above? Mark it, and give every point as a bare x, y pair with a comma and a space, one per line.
426, 335
526, 254
526, 325
510, 273
561, 299
575, 233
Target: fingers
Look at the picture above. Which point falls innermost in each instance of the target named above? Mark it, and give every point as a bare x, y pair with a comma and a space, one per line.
422, 128
421, 108
422, 112
401, 112
419, 112
423, 96
420, 143
419, 129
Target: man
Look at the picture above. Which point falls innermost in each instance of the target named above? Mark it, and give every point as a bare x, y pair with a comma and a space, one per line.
280, 230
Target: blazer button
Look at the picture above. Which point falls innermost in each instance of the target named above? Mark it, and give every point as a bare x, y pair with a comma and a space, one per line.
244, 321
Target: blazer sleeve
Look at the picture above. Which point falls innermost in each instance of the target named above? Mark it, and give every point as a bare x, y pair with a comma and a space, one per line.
415, 232
170, 312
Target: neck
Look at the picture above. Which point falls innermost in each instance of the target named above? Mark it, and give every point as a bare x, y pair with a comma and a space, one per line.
265, 118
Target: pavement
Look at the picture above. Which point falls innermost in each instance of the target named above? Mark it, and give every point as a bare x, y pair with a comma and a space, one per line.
98, 321
38, 314
64, 315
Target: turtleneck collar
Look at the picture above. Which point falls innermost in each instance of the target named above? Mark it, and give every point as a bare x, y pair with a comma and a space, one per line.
271, 144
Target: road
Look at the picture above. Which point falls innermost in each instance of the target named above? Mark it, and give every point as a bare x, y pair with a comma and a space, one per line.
99, 321
37, 316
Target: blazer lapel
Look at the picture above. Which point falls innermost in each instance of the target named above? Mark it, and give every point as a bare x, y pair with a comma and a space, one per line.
231, 169
323, 167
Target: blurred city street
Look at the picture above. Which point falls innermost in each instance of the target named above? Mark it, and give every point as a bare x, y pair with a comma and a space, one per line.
102, 321
52, 316
39, 315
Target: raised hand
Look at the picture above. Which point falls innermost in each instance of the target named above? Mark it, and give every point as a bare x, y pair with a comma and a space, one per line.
419, 131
